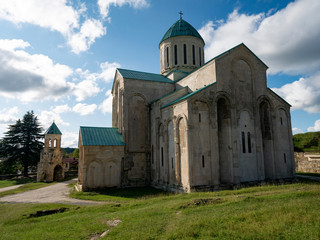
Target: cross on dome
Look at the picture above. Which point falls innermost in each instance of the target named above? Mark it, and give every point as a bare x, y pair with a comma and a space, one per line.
181, 13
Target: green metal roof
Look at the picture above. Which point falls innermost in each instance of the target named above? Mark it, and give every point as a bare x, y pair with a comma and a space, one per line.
53, 129
143, 76
181, 28
187, 96
100, 136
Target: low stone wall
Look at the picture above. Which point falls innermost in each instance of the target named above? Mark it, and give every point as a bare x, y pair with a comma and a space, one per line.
307, 162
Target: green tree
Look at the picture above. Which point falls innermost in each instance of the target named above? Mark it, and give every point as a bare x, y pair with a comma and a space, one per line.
21, 144
76, 153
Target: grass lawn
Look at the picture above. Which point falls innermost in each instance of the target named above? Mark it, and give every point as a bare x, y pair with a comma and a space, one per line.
268, 212
12, 182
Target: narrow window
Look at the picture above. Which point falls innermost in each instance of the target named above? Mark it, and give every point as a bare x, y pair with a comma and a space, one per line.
162, 156
55, 143
243, 142
281, 120
185, 53
193, 56
172, 162
152, 160
249, 142
202, 161
199, 117
50, 143
200, 58
167, 57
284, 158
175, 55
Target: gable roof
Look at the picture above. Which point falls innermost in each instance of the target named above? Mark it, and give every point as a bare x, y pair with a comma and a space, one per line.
53, 129
100, 136
143, 76
187, 96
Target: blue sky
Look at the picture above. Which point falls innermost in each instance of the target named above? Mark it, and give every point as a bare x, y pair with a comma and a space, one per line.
58, 58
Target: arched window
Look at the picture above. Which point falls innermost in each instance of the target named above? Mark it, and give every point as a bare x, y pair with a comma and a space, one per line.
249, 142
175, 54
193, 56
162, 156
50, 143
55, 143
202, 161
167, 56
200, 56
185, 53
243, 137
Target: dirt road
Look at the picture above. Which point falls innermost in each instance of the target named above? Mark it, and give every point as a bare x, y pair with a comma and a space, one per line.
57, 193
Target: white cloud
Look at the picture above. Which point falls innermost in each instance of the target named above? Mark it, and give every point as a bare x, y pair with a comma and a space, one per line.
8, 116
287, 41
104, 5
302, 94
55, 15
61, 109
90, 30
296, 130
84, 109
33, 76
47, 117
108, 70
316, 127
85, 89
106, 105
58, 16
69, 139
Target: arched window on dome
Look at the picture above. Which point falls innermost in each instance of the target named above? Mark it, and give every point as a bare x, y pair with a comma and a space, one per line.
167, 50
193, 55
175, 55
200, 58
185, 53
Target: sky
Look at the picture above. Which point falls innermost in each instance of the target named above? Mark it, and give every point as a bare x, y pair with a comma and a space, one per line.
58, 58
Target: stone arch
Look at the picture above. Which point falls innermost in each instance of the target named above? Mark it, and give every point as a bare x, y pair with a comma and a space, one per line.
137, 123
241, 70
182, 171
267, 137
58, 173
171, 152
224, 136
94, 175
111, 174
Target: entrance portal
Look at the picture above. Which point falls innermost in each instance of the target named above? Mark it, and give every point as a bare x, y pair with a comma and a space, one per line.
58, 173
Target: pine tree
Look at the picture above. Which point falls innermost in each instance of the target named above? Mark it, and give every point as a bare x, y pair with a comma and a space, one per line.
22, 144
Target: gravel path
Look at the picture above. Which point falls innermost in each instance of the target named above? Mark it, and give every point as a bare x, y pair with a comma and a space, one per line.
10, 188
57, 193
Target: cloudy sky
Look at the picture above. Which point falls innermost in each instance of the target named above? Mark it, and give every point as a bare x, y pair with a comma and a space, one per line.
58, 58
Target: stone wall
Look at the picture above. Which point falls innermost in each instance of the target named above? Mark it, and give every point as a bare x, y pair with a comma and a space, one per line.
307, 162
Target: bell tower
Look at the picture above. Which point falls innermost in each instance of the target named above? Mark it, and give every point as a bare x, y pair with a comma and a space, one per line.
181, 49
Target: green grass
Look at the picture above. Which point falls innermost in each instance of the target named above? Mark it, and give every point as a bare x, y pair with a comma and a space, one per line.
266, 212
12, 182
26, 187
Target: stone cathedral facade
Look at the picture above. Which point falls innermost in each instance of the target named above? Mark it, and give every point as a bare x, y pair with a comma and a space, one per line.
194, 126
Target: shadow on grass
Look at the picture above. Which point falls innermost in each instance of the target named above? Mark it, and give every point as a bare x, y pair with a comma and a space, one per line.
134, 192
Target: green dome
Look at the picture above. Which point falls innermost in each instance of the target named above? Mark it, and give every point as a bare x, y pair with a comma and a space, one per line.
181, 28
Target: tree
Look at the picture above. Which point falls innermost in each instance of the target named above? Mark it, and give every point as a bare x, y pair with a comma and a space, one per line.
76, 153
21, 144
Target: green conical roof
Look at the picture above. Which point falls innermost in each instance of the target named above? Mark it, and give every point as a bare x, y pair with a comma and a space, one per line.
181, 28
53, 129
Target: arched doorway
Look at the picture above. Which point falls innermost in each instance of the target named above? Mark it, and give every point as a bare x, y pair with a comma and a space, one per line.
58, 173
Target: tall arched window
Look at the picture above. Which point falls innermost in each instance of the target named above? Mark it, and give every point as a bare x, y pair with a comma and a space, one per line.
175, 54
185, 53
200, 56
167, 56
193, 56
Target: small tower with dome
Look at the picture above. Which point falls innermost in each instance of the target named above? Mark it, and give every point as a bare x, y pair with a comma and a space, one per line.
181, 50
50, 167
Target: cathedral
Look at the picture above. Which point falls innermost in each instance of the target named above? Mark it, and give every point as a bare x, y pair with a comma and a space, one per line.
195, 126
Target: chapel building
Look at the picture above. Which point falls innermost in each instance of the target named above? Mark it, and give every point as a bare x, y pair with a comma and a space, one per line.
194, 126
